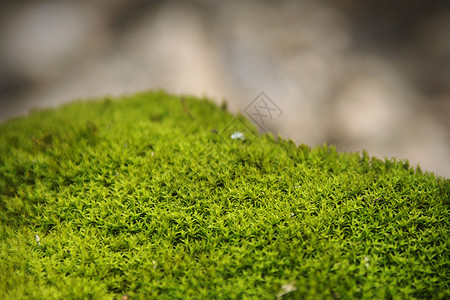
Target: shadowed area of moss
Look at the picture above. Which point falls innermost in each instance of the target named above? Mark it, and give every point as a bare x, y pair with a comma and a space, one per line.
148, 196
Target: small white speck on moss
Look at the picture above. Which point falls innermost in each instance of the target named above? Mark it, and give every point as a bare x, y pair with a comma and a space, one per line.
37, 239
237, 135
285, 289
367, 261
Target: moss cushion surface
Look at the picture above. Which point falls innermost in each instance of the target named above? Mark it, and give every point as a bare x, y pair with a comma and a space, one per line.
148, 196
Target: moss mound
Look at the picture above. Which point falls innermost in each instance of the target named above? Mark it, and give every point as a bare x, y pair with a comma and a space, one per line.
149, 197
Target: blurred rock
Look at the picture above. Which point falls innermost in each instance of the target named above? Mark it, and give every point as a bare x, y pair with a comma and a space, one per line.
43, 37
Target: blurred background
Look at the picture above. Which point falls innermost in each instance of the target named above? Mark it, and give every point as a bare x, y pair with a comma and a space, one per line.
371, 75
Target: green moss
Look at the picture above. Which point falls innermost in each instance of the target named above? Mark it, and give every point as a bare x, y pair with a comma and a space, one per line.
150, 197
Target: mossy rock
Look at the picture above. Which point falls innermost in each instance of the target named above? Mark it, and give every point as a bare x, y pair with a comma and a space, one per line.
149, 197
